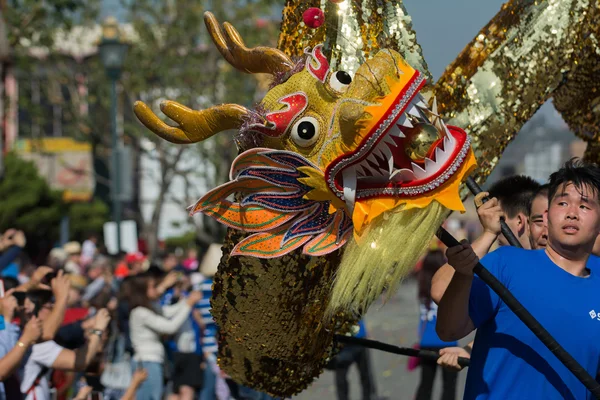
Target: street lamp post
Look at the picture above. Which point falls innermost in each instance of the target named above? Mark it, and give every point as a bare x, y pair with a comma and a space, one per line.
112, 52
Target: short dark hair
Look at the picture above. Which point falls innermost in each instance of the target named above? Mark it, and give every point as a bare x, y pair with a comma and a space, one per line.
515, 194
40, 296
542, 191
577, 172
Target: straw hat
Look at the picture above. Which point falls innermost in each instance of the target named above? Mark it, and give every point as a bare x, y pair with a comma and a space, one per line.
77, 281
58, 254
72, 248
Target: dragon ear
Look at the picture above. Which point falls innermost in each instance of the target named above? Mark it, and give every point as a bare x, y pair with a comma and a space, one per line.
253, 61
194, 126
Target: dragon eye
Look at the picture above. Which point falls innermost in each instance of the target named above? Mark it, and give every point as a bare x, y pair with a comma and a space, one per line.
305, 132
340, 81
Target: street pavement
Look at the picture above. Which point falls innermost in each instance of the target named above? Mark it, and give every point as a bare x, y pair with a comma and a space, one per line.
394, 322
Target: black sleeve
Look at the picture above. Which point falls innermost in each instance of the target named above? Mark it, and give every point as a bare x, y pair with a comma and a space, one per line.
70, 336
9, 256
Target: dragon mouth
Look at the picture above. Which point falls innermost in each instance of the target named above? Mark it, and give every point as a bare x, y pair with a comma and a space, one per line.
382, 166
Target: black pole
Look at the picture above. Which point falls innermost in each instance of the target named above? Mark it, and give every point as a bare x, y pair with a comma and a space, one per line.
403, 351
508, 234
528, 319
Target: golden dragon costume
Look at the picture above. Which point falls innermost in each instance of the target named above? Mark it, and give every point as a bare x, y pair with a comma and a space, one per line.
344, 185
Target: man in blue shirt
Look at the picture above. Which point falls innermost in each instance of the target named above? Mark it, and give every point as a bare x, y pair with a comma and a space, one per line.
559, 285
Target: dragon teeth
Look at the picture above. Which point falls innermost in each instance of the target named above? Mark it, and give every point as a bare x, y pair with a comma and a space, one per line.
450, 138
395, 131
430, 166
414, 111
402, 175
441, 156
387, 155
349, 176
389, 141
374, 166
420, 173
406, 124
366, 171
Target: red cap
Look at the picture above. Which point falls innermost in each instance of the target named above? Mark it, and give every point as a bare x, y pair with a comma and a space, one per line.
134, 257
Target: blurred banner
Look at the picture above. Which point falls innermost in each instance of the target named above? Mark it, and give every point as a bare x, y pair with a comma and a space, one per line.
65, 163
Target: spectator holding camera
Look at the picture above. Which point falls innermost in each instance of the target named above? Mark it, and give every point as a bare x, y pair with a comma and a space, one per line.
148, 323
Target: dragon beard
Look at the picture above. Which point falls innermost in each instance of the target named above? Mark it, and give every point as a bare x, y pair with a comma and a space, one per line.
383, 255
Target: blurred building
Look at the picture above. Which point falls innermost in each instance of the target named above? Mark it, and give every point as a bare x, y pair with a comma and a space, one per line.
543, 145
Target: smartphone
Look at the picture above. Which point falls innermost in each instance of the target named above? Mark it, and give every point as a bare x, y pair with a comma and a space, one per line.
1, 288
47, 280
139, 365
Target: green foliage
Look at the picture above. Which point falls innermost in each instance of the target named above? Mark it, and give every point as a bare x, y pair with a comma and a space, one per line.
27, 202
173, 57
87, 218
184, 241
34, 22
49, 80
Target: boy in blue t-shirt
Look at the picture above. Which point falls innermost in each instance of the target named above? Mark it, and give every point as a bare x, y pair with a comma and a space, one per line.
558, 285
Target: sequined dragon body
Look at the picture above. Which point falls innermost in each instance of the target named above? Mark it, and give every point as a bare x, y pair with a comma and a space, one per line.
347, 182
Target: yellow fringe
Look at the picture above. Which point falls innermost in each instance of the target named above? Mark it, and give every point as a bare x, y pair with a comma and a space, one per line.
384, 255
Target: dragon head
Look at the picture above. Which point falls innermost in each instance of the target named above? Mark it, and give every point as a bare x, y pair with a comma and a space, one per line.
327, 160
332, 155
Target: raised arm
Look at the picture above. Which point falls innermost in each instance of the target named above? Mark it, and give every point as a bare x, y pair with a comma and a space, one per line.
11, 361
490, 215
60, 289
168, 326
78, 360
453, 321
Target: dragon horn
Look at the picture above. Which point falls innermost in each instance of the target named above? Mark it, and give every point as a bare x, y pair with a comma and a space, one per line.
253, 61
194, 126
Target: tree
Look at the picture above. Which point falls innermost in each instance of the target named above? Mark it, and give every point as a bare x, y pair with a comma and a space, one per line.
30, 205
174, 58
51, 77
86, 218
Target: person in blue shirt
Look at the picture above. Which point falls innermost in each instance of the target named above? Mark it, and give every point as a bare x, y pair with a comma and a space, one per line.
523, 204
429, 340
559, 285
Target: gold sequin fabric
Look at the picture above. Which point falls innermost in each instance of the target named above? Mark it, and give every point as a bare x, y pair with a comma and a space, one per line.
270, 314
529, 52
354, 31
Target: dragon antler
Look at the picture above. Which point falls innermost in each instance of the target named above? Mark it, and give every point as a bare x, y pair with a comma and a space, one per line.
194, 126
253, 61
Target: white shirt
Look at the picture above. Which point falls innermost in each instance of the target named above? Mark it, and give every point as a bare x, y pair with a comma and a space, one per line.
42, 356
146, 326
88, 251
